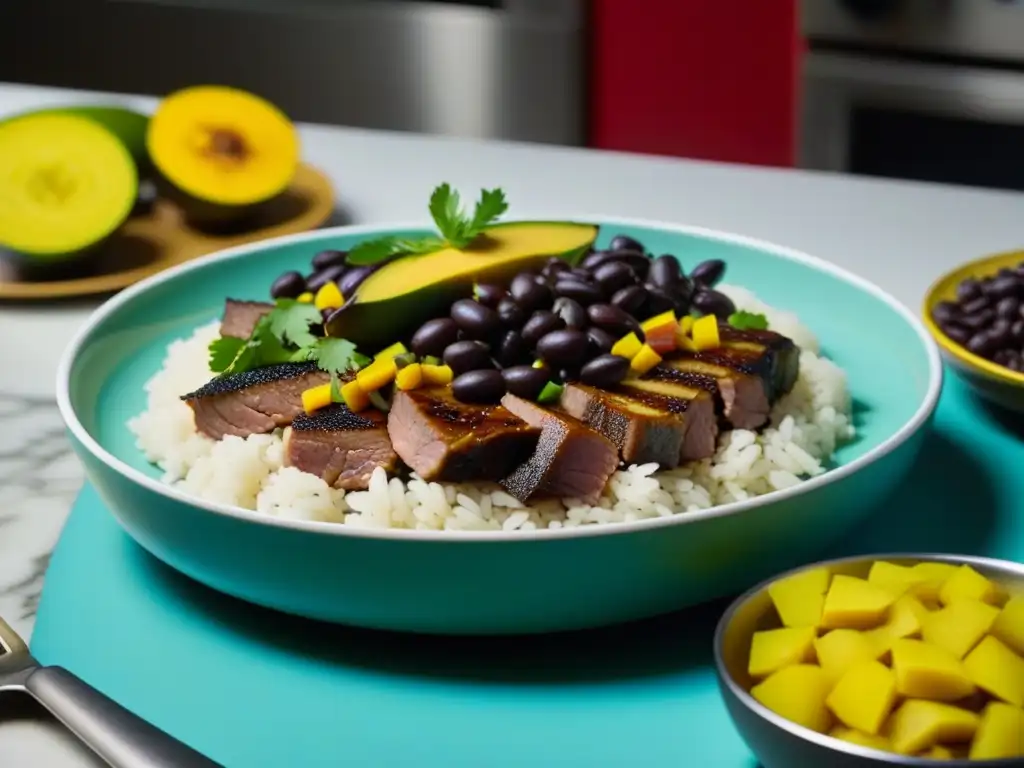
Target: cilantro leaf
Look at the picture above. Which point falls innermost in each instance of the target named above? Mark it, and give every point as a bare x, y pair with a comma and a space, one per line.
748, 321
224, 351
334, 355
289, 322
446, 211
336, 396
491, 206
384, 248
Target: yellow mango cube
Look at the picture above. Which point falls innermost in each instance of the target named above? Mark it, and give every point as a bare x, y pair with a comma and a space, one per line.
959, 626
854, 736
938, 752
906, 616
1000, 733
891, 577
1009, 626
927, 672
864, 697
853, 603
841, 649
799, 599
919, 725
968, 583
798, 694
773, 649
932, 578
995, 668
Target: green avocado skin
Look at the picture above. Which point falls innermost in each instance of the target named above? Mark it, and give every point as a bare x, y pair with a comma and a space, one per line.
375, 325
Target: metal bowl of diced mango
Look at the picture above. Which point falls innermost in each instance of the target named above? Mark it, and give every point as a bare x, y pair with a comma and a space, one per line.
888, 660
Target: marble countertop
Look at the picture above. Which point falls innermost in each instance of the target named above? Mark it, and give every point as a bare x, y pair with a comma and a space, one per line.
899, 235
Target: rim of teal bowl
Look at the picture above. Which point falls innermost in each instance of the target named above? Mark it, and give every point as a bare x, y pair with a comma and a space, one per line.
920, 417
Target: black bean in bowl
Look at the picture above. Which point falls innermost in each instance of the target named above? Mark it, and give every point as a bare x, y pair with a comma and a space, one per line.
525, 381
474, 319
329, 258
467, 355
318, 280
434, 337
483, 387
288, 286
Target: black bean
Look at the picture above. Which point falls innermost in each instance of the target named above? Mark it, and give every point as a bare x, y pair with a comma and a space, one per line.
467, 355
528, 293
583, 274
1016, 331
1002, 286
630, 299
1008, 308
512, 350
981, 343
288, 286
605, 371
563, 349
526, 381
978, 320
1001, 333
711, 302
1002, 356
573, 288
658, 301
572, 373
612, 319
613, 276
665, 272
319, 279
352, 280
329, 258
489, 294
625, 243
600, 340
708, 273
475, 320
554, 266
974, 306
571, 311
968, 289
435, 336
1019, 270
1016, 363
484, 387
510, 313
945, 312
638, 262
961, 335
541, 324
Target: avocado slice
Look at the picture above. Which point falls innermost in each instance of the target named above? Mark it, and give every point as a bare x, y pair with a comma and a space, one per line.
67, 184
396, 299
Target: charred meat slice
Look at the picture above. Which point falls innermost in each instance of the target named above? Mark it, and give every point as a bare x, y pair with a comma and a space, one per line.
769, 355
256, 401
645, 426
240, 317
571, 460
342, 447
692, 402
443, 439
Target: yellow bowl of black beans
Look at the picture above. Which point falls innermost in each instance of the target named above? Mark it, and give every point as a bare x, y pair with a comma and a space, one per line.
976, 314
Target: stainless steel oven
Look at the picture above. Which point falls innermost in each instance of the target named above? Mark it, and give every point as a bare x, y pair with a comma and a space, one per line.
510, 69
918, 89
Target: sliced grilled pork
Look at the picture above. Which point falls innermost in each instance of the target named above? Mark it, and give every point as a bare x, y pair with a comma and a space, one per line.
571, 460
443, 439
240, 317
341, 447
260, 400
647, 426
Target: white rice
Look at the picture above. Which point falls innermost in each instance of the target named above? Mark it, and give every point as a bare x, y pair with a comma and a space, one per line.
806, 427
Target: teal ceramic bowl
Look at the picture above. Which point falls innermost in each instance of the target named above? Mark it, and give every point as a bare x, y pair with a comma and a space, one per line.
495, 582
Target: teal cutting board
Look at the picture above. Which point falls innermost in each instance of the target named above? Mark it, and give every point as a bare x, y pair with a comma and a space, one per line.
253, 688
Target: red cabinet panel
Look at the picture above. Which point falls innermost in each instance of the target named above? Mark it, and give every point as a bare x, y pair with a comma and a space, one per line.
706, 79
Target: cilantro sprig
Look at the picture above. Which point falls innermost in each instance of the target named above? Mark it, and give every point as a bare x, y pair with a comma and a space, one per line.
284, 335
456, 227
742, 320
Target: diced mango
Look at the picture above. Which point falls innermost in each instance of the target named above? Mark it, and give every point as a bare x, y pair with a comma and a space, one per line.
853, 603
799, 599
938, 752
933, 576
438, 375
659, 321
773, 649
644, 360
968, 583
705, 333
377, 374
926, 672
854, 736
409, 377
628, 346
995, 668
798, 694
355, 398
305, 298
1009, 626
328, 297
841, 649
315, 398
396, 349
905, 618
686, 323
893, 578
959, 626
1000, 733
919, 725
864, 697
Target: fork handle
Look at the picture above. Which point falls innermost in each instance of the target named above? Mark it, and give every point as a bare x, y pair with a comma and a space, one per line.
122, 739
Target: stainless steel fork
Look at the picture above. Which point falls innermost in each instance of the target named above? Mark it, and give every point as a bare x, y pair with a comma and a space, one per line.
117, 736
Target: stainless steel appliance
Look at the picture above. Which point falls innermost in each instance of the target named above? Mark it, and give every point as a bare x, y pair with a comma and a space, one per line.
919, 89
510, 69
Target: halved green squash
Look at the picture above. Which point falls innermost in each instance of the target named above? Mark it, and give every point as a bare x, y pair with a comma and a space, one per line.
66, 184
395, 300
